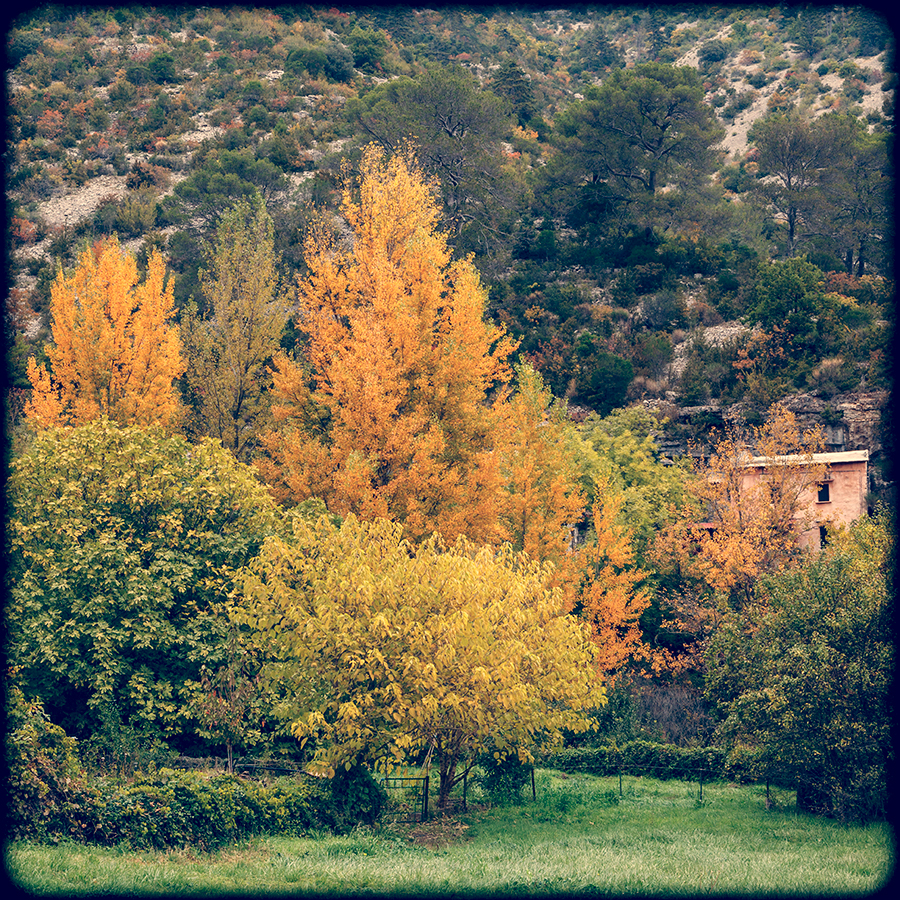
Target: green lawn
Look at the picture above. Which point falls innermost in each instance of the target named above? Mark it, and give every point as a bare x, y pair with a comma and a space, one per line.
578, 837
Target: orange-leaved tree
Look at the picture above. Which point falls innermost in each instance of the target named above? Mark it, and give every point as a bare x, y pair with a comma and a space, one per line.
606, 587
750, 508
389, 413
539, 450
115, 350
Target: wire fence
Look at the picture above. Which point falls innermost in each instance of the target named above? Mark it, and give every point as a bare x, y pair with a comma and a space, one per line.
413, 802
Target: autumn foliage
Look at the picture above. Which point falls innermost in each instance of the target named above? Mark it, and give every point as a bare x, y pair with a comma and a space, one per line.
228, 350
542, 498
115, 351
390, 650
745, 522
387, 415
611, 596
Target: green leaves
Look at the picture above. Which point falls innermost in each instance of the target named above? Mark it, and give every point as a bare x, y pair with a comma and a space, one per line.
804, 672
122, 541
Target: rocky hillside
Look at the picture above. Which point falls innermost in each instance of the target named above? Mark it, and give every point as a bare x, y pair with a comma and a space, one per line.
144, 121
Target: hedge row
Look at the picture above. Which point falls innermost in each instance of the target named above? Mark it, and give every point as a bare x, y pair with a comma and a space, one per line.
178, 809
663, 761
50, 797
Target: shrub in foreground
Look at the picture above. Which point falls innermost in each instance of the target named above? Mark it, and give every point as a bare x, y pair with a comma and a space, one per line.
50, 798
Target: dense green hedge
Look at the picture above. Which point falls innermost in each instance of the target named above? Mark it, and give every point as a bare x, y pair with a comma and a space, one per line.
177, 809
50, 797
662, 761
665, 761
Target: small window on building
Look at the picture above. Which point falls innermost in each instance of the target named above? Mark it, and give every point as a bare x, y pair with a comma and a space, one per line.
823, 537
824, 492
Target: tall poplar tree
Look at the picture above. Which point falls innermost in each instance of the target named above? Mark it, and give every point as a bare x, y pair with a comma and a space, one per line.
115, 350
388, 415
229, 349
543, 498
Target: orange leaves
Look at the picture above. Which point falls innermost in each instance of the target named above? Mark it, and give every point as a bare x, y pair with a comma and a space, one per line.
611, 598
391, 418
542, 497
115, 352
751, 495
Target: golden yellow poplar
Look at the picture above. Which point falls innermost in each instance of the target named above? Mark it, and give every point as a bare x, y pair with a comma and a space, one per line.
389, 416
115, 351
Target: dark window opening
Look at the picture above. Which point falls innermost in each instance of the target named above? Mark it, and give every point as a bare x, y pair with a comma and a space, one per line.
824, 492
823, 536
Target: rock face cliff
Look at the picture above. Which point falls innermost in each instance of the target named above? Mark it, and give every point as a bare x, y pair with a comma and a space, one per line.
858, 420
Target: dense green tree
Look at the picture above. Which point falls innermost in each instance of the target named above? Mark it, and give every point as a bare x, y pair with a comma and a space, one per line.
799, 159
121, 541
368, 47
510, 83
595, 52
860, 202
457, 128
643, 130
310, 60
807, 28
338, 65
803, 674
161, 67
604, 381
224, 176
789, 295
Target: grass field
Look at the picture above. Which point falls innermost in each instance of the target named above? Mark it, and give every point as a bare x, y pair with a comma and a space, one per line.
579, 837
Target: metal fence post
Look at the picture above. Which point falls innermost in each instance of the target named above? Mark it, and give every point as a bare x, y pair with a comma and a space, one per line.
425, 801
533, 789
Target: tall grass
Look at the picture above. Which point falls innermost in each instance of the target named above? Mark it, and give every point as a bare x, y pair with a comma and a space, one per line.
580, 836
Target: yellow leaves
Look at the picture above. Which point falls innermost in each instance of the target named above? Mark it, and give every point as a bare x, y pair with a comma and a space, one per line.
229, 349
458, 639
542, 496
114, 350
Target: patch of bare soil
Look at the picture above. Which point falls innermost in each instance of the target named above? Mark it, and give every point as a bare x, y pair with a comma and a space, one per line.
438, 832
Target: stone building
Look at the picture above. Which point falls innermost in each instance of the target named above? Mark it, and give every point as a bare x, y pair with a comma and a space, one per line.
838, 499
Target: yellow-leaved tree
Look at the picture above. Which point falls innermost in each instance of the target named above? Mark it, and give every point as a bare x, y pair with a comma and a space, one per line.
540, 453
388, 414
387, 650
115, 351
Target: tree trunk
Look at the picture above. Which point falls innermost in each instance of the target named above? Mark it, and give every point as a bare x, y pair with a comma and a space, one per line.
448, 773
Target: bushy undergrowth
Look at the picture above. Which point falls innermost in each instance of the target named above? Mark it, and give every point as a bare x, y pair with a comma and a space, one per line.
502, 780
50, 797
